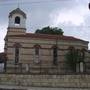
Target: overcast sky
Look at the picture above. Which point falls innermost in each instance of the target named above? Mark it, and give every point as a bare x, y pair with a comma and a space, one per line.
73, 16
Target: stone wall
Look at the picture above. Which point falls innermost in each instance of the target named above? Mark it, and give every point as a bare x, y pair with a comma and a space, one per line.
59, 81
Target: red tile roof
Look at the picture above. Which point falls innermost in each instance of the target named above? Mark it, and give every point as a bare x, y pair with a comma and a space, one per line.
47, 36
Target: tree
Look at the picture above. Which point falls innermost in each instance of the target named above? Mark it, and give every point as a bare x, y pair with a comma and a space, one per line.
50, 30
74, 56
71, 59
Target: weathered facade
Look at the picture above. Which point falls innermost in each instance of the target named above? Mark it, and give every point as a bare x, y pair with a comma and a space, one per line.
39, 53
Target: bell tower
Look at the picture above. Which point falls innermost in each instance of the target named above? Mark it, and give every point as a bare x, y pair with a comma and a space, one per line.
17, 22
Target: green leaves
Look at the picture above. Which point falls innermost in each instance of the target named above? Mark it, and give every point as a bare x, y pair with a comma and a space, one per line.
50, 30
73, 57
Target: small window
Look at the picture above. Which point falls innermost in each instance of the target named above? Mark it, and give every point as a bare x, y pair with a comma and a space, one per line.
17, 20
71, 49
16, 55
37, 54
55, 55
17, 52
36, 51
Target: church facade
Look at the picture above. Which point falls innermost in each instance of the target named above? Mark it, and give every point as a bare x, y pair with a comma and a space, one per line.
39, 53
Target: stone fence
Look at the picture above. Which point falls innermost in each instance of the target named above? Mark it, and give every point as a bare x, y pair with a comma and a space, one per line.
64, 81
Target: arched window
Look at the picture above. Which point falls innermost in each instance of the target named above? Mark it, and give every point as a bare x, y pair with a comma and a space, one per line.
17, 52
36, 50
37, 53
71, 48
16, 55
80, 61
17, 20
71, 52
55, 55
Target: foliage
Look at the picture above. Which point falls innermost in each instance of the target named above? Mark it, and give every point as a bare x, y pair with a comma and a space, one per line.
50, 30
73, 57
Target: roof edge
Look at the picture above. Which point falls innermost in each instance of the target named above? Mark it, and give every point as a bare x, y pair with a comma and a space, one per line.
48, 36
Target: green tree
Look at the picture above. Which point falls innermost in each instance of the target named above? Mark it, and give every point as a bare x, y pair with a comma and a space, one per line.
74, 56
71, 57
50, 30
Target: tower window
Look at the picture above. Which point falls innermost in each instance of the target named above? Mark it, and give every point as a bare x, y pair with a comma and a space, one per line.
17, 20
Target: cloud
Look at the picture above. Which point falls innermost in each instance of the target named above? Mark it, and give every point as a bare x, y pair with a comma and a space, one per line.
3, 31
71, 15
74, 15
74, 21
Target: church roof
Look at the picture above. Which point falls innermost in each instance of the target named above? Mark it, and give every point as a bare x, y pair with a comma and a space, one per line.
47, 36
17, 10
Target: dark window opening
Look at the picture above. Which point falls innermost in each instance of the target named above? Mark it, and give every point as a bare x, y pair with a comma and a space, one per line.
36, 51
55, 56
17, 20
16, 55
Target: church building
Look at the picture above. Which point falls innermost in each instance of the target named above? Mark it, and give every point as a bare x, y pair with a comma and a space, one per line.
39, 53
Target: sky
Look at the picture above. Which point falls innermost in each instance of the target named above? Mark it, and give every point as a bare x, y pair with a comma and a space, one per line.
73, 16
